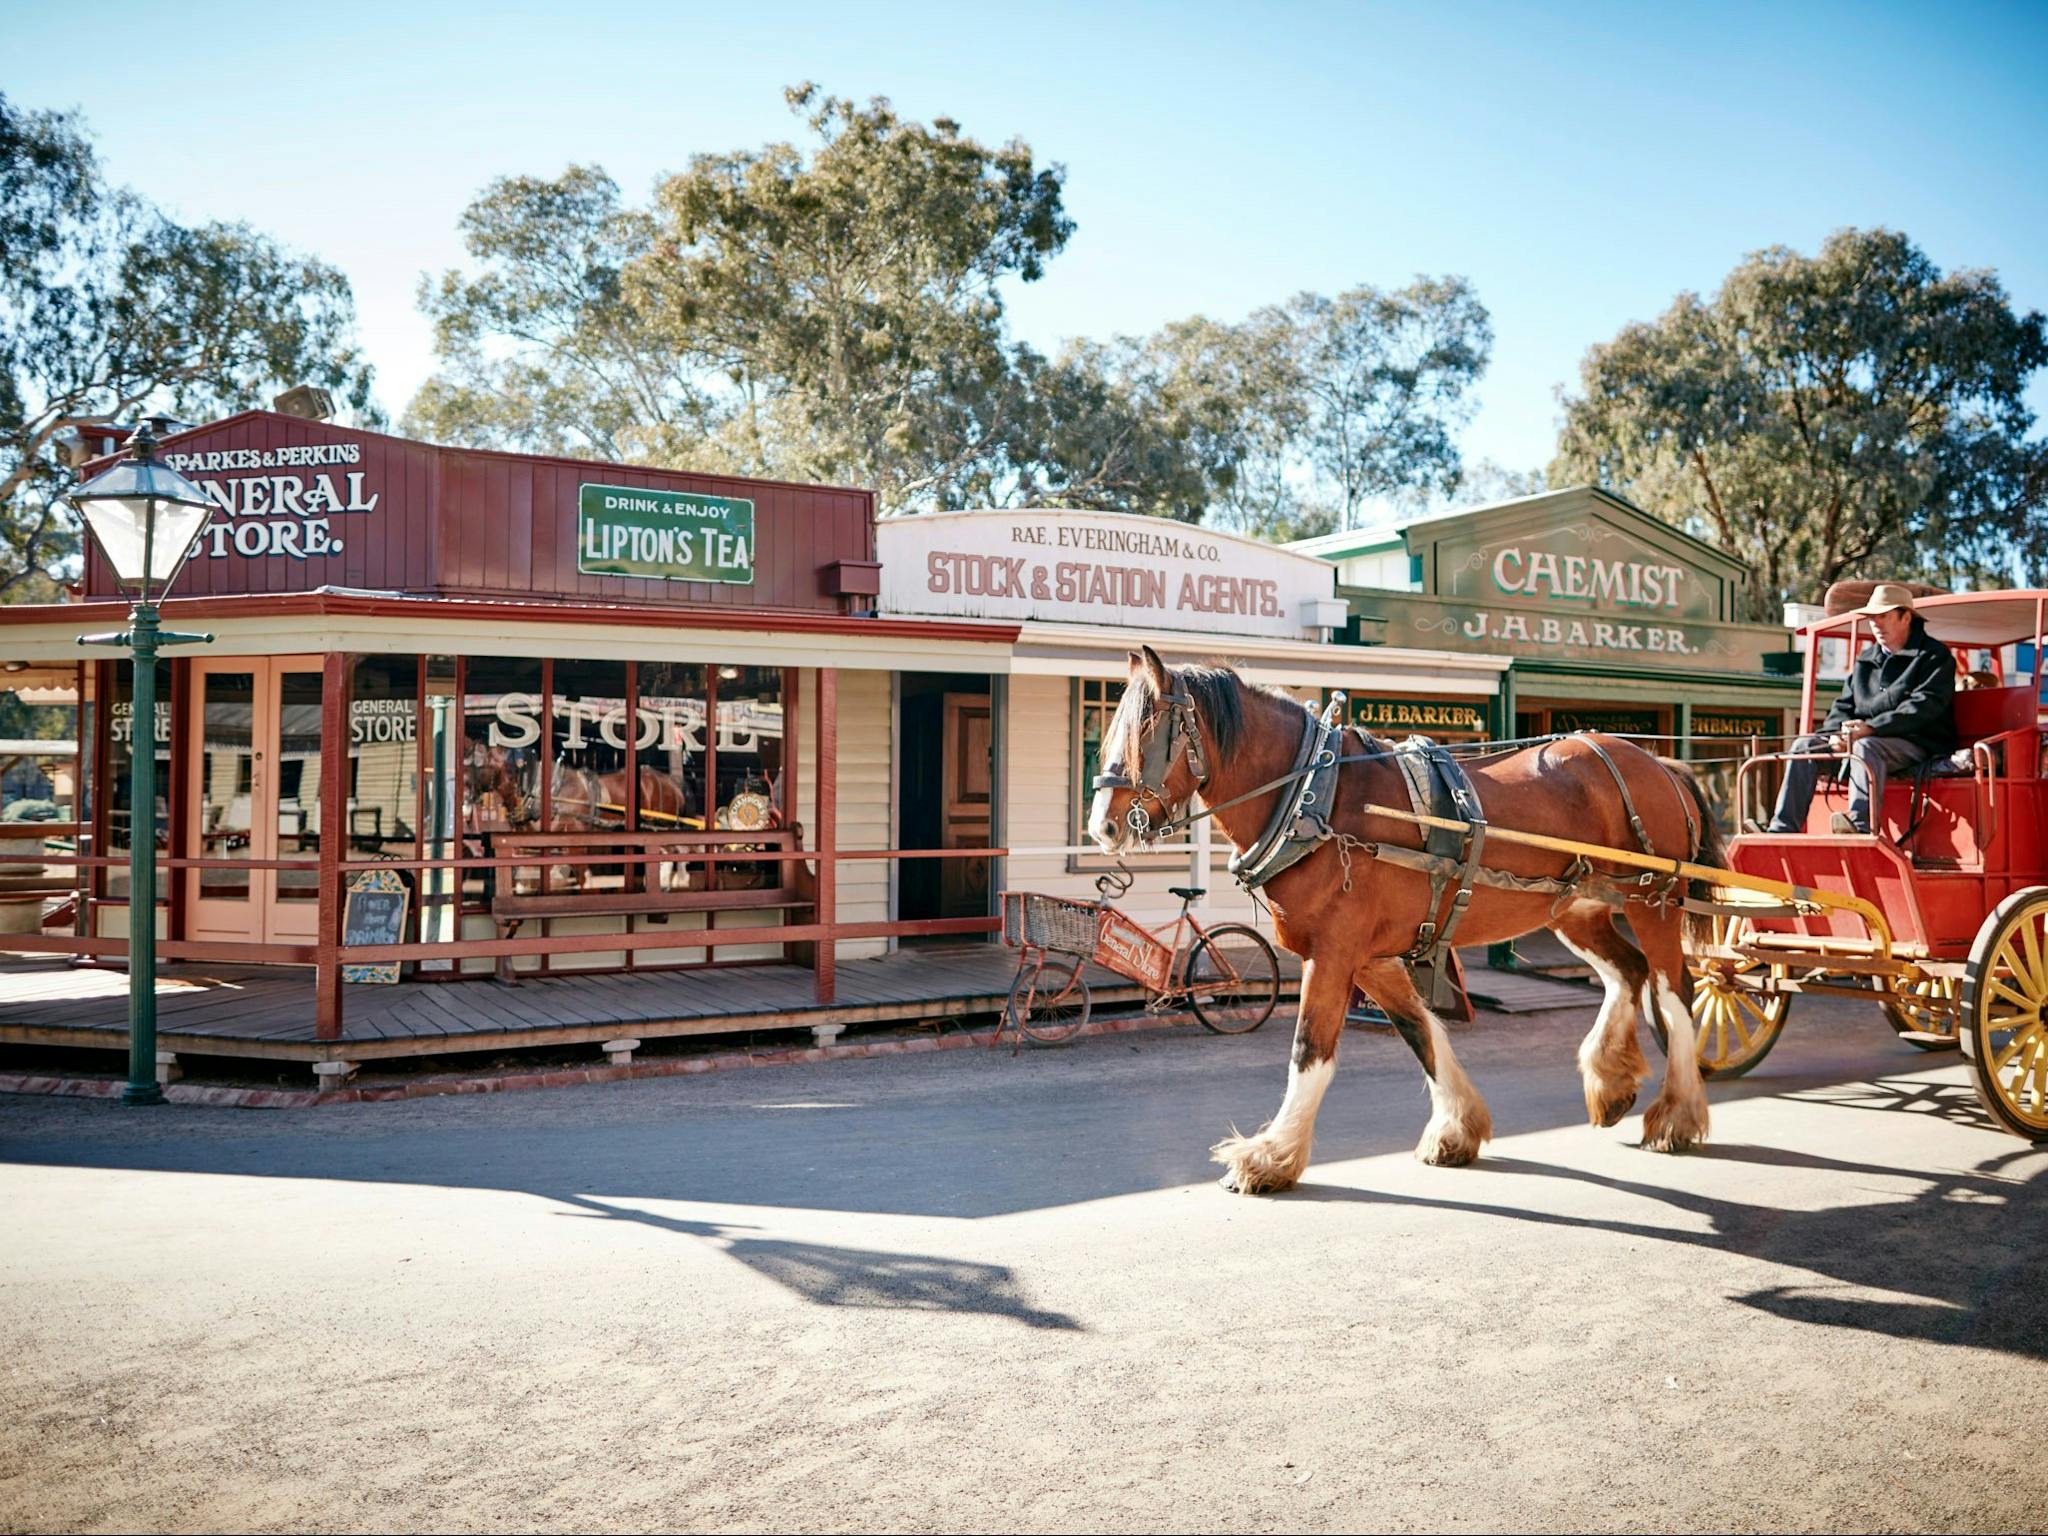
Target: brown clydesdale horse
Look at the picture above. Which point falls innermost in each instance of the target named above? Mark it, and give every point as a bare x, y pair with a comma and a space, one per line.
1354, 929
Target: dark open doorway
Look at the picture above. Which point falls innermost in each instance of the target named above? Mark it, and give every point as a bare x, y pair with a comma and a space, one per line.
945, 796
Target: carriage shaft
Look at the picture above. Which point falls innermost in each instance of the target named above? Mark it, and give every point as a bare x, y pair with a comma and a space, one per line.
1868, 915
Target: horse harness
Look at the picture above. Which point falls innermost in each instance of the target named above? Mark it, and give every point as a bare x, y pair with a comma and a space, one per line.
1155, 760
1437, 786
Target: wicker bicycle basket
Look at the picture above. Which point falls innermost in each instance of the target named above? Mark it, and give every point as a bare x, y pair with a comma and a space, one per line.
1096, 933
1051, 922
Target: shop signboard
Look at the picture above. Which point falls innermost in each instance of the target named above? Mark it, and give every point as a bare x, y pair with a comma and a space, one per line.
624, 530
1618, 636
1111, 568
1729, 727
298, 500
1614, 722
1411, 715
1585, 565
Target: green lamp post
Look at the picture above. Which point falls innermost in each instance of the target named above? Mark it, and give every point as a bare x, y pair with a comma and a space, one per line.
145, 517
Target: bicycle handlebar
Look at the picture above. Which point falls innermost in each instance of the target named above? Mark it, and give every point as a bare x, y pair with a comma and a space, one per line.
1115, 884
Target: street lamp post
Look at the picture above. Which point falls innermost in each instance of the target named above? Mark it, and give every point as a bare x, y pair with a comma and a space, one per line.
145, 517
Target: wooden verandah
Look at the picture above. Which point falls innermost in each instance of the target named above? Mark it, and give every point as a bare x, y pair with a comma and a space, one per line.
267, 1012
327, 1012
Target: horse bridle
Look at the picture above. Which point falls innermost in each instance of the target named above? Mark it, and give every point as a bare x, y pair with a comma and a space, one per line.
1158, 748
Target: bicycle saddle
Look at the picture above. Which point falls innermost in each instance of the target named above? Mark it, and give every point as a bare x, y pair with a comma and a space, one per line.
1188, 892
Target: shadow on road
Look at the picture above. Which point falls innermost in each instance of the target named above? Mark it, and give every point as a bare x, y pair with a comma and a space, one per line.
971, 1135
830, 1276
1968, 1242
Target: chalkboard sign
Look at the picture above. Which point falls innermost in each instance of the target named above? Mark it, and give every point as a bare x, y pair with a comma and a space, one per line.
374, 913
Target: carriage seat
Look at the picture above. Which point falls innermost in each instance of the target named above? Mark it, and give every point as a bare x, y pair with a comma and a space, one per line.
1188, 892
1993, 716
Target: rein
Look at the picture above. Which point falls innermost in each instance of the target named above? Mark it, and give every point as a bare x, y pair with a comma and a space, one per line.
1113, 779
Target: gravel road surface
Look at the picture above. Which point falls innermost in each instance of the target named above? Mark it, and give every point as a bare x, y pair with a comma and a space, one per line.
965, 1291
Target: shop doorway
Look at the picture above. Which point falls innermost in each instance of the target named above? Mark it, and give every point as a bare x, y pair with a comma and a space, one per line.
945, 794
253, 767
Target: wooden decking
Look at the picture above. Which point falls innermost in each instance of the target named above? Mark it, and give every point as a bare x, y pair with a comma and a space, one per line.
268, 1012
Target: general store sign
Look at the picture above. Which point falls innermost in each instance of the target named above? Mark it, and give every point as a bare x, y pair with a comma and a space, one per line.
1108, 568
623, 530
295, 500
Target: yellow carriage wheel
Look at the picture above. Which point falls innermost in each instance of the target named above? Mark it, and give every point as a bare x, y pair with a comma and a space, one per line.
1736, 1017
2005, 1013
1920, 1010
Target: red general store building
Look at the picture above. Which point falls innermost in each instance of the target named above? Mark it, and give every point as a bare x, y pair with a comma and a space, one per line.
583, 716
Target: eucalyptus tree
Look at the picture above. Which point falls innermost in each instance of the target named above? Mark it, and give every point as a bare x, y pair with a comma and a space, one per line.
1858, 412
108, 309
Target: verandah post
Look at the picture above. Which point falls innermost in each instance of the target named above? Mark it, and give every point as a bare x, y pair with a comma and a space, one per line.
828, 829
337, 676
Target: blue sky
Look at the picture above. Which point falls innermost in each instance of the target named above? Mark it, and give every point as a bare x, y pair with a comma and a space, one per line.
1580, 164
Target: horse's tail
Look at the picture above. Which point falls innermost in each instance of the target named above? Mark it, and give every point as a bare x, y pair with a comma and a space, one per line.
1710, 847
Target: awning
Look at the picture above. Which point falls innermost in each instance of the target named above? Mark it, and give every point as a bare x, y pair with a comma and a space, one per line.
1082, 650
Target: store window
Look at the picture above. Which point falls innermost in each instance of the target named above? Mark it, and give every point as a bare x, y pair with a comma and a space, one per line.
747, 749
383, 750
670, 745
1721, 739
503, 756
300, 818
38, 788
590, 749
501, 745
1096, 700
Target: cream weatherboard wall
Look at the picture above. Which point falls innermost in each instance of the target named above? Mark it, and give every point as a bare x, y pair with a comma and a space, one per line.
1040, 786
867, 741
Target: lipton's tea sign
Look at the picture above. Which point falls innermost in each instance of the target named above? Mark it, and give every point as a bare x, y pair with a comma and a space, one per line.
295, 501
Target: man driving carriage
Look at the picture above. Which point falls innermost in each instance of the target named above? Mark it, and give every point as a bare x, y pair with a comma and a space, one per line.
1897, 709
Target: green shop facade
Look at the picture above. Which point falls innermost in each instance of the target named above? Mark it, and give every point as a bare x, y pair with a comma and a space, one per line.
1612, 619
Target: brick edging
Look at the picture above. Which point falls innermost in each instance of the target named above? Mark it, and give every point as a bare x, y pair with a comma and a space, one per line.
558, 1077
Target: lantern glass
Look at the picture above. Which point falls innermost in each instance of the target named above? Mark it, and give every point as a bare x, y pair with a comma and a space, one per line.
142, 510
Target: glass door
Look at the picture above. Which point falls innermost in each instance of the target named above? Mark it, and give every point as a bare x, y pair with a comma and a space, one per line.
293, 897
256, 786
224, 780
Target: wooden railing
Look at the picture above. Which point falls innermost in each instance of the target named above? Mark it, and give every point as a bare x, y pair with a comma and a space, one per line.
818, 864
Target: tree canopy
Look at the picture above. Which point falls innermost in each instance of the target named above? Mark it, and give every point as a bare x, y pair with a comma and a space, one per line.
835, 312
1854, 413
110, 309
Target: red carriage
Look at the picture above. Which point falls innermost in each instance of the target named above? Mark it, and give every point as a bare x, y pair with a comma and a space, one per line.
1950, 934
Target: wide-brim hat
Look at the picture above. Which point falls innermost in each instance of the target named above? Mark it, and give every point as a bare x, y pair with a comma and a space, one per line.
1850, 596
1886, 596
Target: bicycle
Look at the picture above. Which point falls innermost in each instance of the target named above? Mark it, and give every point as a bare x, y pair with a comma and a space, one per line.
1227, 975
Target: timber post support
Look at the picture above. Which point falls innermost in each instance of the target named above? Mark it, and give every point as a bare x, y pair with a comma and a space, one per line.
827, 915
338, 675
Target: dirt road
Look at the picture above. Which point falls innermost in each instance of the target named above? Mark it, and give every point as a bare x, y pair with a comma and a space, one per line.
970, 1292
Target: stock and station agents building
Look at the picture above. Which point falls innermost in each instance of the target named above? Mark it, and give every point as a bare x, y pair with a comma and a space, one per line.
730, 751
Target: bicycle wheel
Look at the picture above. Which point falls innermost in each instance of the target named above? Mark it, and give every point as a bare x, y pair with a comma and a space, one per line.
1049, 1001
1233, 979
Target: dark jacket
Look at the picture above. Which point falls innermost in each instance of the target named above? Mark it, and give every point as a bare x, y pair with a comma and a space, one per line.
1909, 693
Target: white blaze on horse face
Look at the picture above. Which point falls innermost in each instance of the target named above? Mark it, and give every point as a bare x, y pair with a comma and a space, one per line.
1100, 825
1118, 746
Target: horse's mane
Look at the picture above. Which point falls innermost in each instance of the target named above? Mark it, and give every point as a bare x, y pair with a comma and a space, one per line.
1218, 693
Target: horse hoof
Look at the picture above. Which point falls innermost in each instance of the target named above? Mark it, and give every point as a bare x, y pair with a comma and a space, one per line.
1669, 1127
1228, 1184
1616, 1111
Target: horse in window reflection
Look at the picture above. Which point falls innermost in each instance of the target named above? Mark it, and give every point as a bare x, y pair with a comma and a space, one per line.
587, 800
